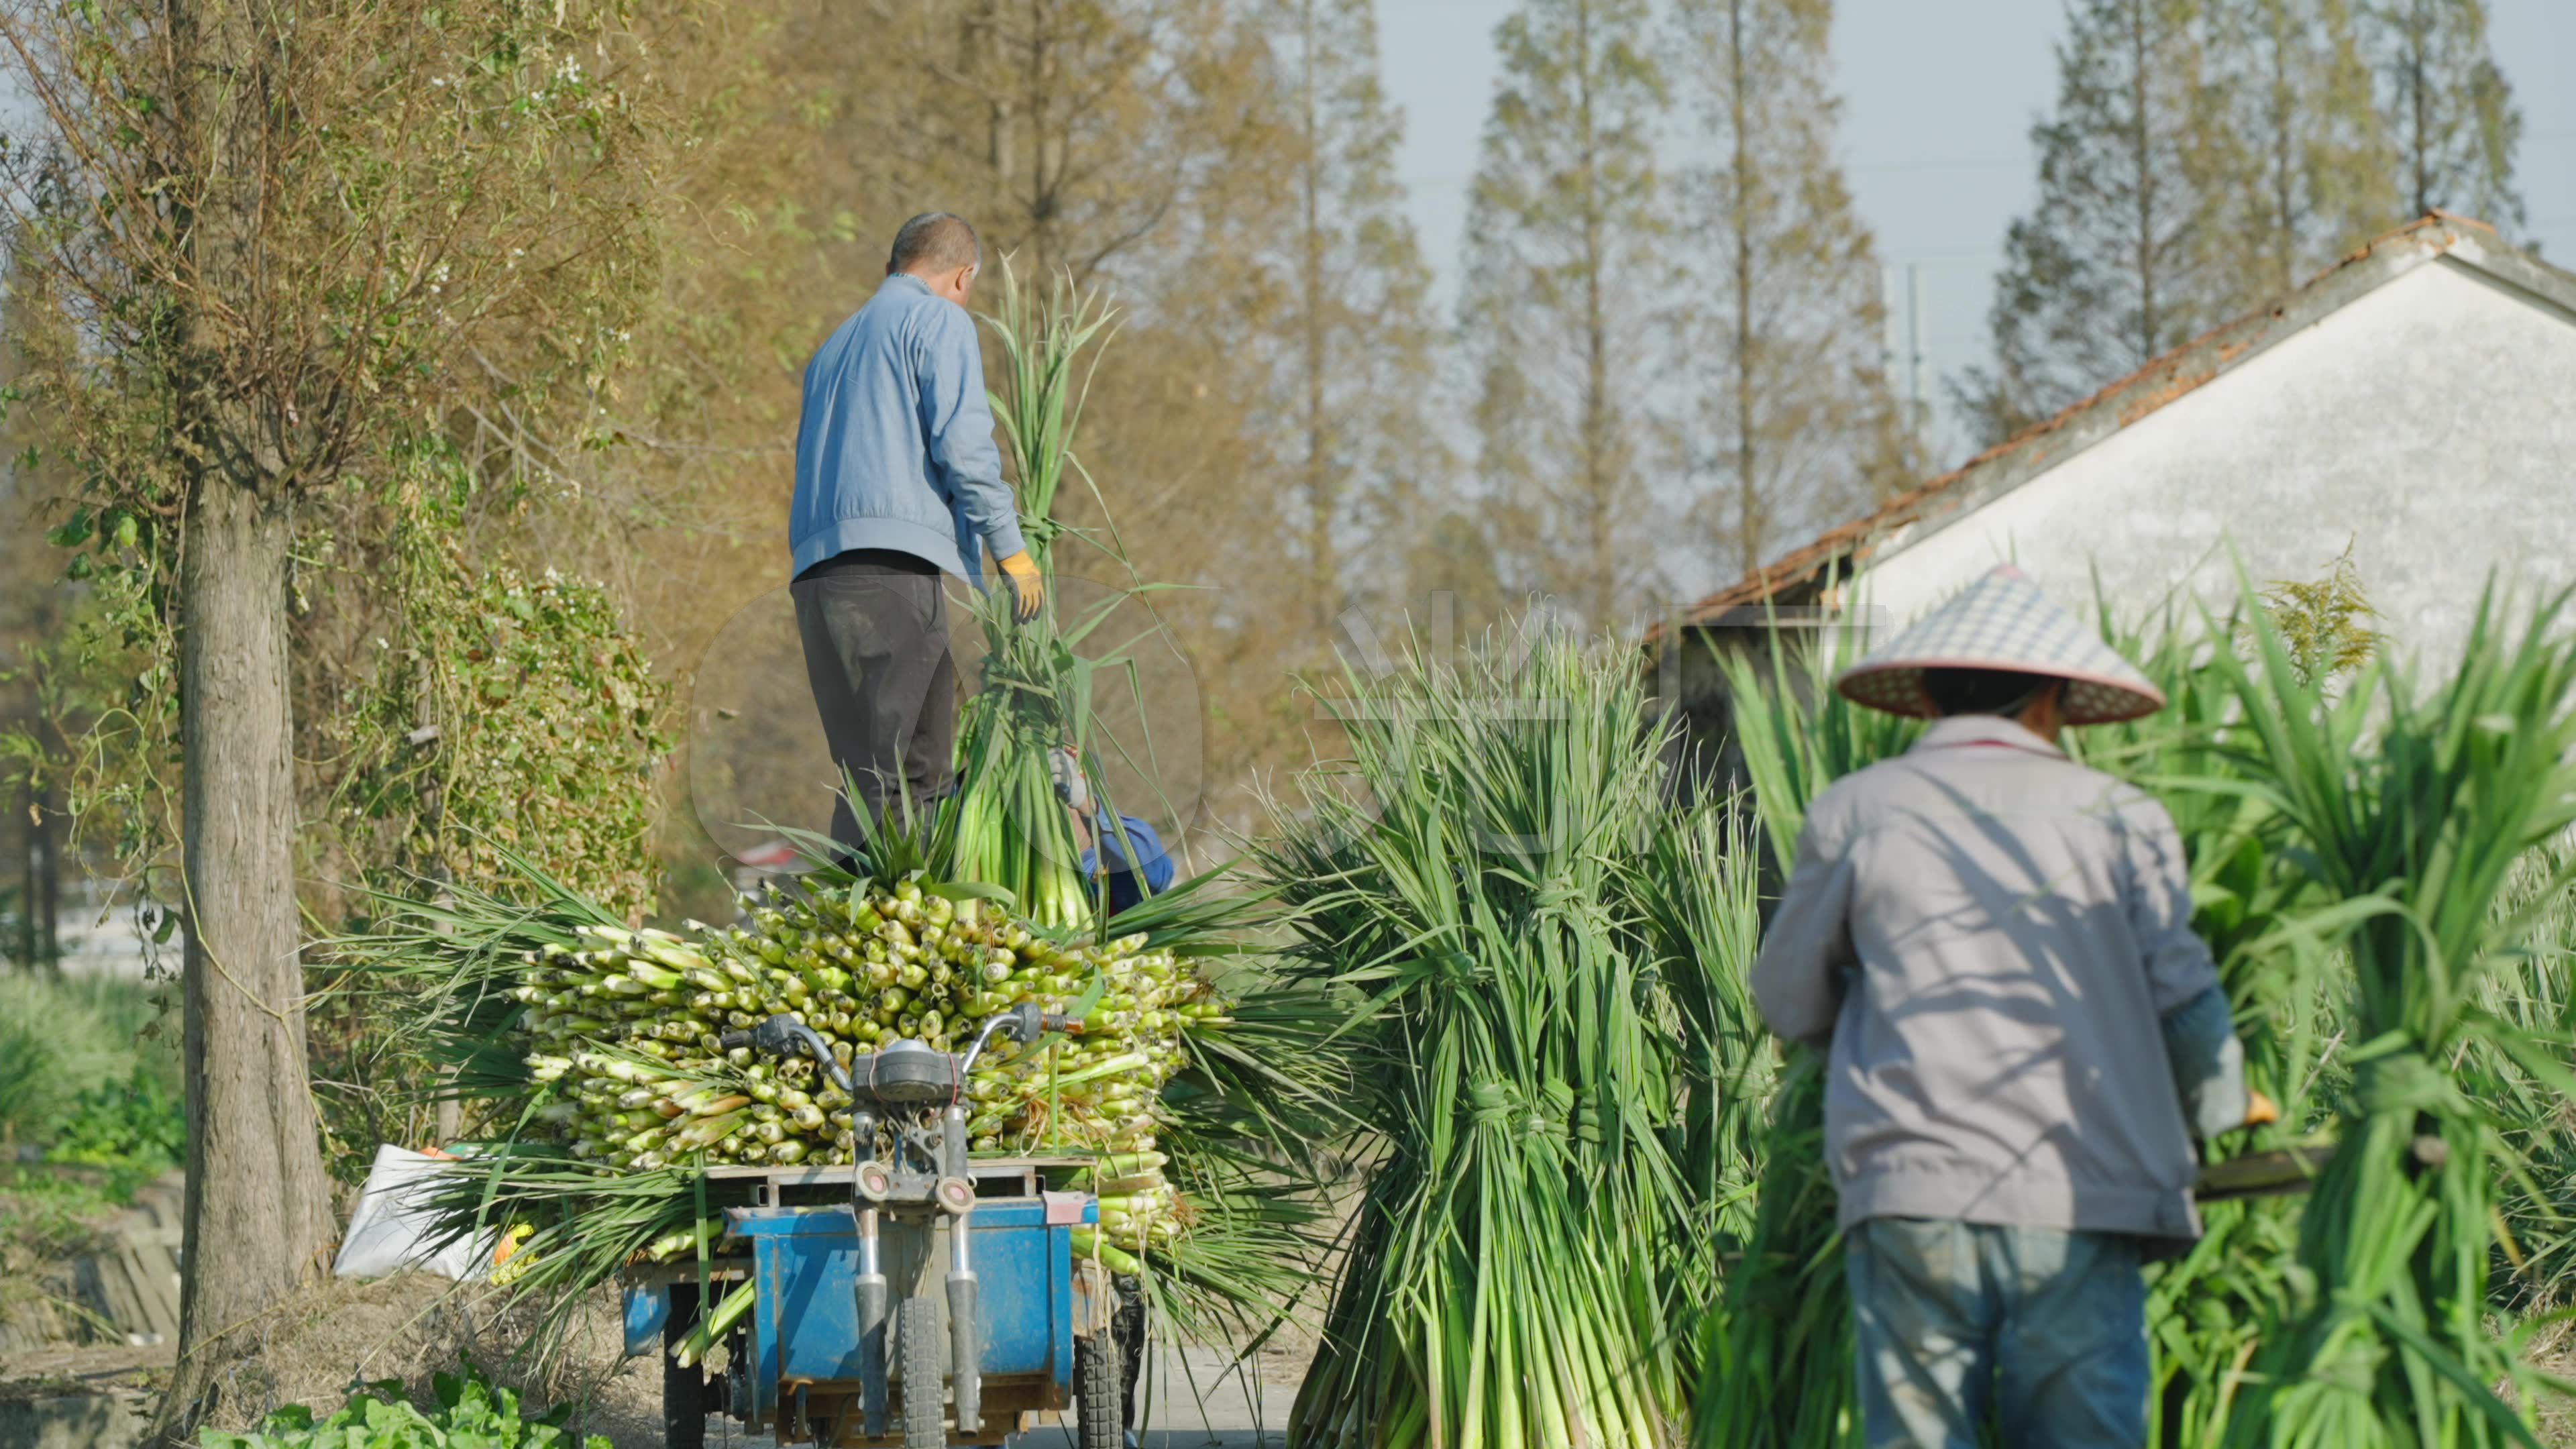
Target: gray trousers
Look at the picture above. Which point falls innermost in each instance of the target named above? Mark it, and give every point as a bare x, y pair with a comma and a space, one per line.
875, 630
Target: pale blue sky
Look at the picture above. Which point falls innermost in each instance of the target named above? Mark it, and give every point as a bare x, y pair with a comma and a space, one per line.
1938, 100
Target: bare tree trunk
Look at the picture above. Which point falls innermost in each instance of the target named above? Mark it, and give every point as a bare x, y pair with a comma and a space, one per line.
2142, 159
1323, 503
1748, 493
1602, 587
2418, 69
28, 956
49, 886
2285, 169
258, 1207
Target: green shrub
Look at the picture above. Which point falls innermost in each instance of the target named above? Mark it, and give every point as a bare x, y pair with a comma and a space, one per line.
471, 1411
136, 1128
62, 1037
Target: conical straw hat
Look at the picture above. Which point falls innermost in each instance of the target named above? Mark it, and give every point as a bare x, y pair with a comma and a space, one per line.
2003, 621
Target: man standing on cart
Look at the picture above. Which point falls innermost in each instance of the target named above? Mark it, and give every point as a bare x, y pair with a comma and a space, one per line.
898, 482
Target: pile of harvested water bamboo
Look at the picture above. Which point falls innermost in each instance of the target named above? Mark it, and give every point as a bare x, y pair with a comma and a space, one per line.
591, 1050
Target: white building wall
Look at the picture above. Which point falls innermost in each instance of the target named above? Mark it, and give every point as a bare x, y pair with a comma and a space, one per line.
2431, 422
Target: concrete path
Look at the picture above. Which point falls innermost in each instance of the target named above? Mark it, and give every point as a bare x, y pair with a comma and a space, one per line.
1192, 1401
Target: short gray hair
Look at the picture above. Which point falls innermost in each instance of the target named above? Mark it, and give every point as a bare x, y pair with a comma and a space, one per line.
935, 237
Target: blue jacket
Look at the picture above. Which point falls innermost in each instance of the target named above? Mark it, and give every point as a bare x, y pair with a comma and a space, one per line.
1123, 890
895, 448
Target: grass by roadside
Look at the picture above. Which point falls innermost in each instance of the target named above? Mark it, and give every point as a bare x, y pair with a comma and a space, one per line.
89, 1114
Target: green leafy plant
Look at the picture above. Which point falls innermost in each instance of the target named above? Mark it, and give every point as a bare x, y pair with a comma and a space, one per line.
136, 1127
471, 1412
510, 709
65, 1040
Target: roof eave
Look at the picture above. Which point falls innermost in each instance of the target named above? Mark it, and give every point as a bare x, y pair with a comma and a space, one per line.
1926, 509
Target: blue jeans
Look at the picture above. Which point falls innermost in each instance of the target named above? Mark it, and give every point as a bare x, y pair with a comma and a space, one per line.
2045, 1331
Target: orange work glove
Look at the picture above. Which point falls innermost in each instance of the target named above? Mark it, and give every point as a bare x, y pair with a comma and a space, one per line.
1027, 589
2260, 1111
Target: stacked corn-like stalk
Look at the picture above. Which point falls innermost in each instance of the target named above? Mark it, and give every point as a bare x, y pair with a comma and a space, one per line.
626, 1028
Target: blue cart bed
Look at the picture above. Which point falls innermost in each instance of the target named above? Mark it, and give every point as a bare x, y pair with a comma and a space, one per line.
794, 1366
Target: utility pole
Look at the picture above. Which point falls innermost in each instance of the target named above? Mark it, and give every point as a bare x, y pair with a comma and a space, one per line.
1890, 311
1914, 354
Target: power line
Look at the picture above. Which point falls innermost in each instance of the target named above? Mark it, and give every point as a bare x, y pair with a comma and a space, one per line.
2017, 163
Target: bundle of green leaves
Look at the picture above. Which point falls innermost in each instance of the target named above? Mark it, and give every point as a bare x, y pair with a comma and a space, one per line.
2414, 811
1775, 1355
470, 1411
1539, 961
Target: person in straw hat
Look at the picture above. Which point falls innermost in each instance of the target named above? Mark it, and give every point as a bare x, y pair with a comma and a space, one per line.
1980, 932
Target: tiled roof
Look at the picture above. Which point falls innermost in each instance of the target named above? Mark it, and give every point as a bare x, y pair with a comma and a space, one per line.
2035, 449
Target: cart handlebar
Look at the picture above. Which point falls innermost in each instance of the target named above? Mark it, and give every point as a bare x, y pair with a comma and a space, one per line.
781, 1036
1026, 1022
784, 1035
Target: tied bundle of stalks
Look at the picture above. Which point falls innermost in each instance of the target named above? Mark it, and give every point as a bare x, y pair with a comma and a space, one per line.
1474, 882
1775, 1359
2413, 813
1006, 826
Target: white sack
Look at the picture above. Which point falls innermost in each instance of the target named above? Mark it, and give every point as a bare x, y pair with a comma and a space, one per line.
391, 1230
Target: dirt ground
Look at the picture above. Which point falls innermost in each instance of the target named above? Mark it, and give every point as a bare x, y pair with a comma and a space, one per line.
411, 1326
406, 1327
2558, 1415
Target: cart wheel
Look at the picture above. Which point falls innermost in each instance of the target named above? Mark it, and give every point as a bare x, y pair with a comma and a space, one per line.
1098, 1421
916, 1332
684, 1390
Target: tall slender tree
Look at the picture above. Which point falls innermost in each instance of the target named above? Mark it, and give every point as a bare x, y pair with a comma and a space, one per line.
1362, 354
2120, 260
2315, 166
2452, 112
34, 609
1072, 132
1791, 418
1565, 266
223, 327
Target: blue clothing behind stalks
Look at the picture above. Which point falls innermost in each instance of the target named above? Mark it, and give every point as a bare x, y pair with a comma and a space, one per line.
1123, 889
895, 447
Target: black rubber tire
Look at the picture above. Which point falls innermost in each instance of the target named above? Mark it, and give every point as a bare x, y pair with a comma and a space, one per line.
925, 1374
1128, 1327
684, 1390
1098, 1375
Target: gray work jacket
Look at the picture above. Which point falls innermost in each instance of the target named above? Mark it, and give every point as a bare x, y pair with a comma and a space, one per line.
1990, 936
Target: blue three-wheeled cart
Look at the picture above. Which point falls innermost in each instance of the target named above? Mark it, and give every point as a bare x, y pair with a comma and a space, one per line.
918, 1299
